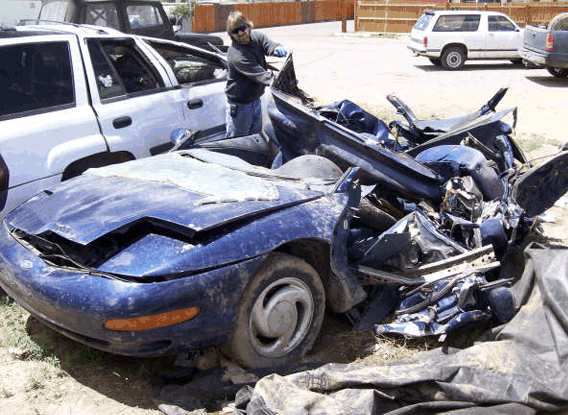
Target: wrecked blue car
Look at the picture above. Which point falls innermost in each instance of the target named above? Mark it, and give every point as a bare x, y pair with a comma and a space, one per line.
186, 250
245, 242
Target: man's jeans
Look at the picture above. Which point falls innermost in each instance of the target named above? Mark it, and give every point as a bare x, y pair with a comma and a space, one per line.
243, 119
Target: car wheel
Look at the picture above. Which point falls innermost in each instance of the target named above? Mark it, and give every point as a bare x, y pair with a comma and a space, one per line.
559, 22
517, 61
558, 72
435, 61
453, 58
279, 314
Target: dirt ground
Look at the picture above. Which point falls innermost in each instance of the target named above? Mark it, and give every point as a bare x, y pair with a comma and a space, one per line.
331, 67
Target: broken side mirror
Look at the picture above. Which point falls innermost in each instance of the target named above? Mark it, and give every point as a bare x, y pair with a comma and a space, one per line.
181, 137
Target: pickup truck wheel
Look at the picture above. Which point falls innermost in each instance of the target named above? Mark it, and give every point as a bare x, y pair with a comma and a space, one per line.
453, 58
559, 22
279, 315
558, 72
435, 61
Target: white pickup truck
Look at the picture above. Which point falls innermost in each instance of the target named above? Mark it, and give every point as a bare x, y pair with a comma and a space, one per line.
75, 97
450, 37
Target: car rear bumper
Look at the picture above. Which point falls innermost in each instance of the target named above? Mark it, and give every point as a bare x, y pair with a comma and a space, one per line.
423, 52
532, 57
77, 304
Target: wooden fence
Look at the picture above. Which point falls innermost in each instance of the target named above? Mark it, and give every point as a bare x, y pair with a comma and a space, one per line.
213, 17
399, 17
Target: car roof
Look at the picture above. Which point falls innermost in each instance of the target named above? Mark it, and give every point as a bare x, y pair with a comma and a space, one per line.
59, 28
464, 11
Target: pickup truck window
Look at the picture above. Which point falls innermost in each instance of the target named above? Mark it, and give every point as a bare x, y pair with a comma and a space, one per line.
457, 23
121, 69
500, 24
104, 14
189, 68
36, 77
144, 15
57, 10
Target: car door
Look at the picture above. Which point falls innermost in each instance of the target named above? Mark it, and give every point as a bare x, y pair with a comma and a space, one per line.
46, 121
504, 38
202, 77
136, 105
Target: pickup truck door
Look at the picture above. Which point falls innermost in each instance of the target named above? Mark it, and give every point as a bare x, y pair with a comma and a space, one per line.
136, 105
201, 77
504, 38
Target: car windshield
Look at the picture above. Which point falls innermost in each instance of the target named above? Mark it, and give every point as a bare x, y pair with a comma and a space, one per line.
57, 10
423, 21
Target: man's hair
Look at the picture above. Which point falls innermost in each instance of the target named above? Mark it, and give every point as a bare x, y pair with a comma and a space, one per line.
237, 19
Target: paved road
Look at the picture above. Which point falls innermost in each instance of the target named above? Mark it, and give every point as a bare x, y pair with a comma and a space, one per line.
333, 66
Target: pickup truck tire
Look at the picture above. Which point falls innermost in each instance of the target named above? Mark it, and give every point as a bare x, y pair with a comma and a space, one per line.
559, 22
558, 72
453, 58
435, 61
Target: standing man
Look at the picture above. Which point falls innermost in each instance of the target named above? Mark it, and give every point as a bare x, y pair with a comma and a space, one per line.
248, 75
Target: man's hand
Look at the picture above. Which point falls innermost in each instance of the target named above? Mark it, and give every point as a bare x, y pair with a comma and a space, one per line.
280, 51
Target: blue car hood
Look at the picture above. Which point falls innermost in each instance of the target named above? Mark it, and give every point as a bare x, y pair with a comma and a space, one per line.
193, 190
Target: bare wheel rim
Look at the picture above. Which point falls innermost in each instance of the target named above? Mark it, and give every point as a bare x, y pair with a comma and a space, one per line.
281, 317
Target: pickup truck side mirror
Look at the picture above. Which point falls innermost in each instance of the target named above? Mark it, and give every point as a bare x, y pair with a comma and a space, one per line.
181, 137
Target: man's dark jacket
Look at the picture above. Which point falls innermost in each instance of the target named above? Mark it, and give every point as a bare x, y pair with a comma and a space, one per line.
248, 75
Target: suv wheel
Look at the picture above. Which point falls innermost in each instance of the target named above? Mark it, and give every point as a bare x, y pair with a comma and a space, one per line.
453, 58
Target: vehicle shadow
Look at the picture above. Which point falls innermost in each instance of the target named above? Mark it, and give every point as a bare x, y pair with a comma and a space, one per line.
123, 379
474, 67
549, 81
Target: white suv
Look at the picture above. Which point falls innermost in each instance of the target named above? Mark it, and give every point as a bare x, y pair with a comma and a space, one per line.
451, 37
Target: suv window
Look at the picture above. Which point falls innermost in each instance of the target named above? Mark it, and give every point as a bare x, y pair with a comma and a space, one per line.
500, 24
121, 69
104, 14
422, 23
457, 23
189, 67
35, 76
144, 15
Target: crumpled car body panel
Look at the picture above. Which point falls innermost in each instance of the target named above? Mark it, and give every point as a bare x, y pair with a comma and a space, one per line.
119, 243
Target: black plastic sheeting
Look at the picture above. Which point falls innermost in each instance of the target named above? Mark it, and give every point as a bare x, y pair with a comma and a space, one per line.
522, 369
519, 368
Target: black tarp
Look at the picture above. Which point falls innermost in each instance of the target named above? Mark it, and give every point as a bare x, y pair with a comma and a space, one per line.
521, 368
518, 368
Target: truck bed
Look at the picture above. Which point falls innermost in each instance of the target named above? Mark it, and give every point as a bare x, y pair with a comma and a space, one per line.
536, 51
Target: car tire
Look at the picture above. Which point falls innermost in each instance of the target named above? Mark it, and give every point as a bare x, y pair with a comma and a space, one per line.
435, 61
279, 315
559, 22
558, 72
517, 61
453, 58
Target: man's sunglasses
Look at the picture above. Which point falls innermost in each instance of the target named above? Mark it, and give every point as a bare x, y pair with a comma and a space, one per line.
241, 28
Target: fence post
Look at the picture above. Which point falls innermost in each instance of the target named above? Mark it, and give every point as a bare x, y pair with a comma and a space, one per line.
527, 15
343, 16
355, 25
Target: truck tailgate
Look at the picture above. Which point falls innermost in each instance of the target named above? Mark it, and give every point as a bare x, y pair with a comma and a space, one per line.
534, 38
